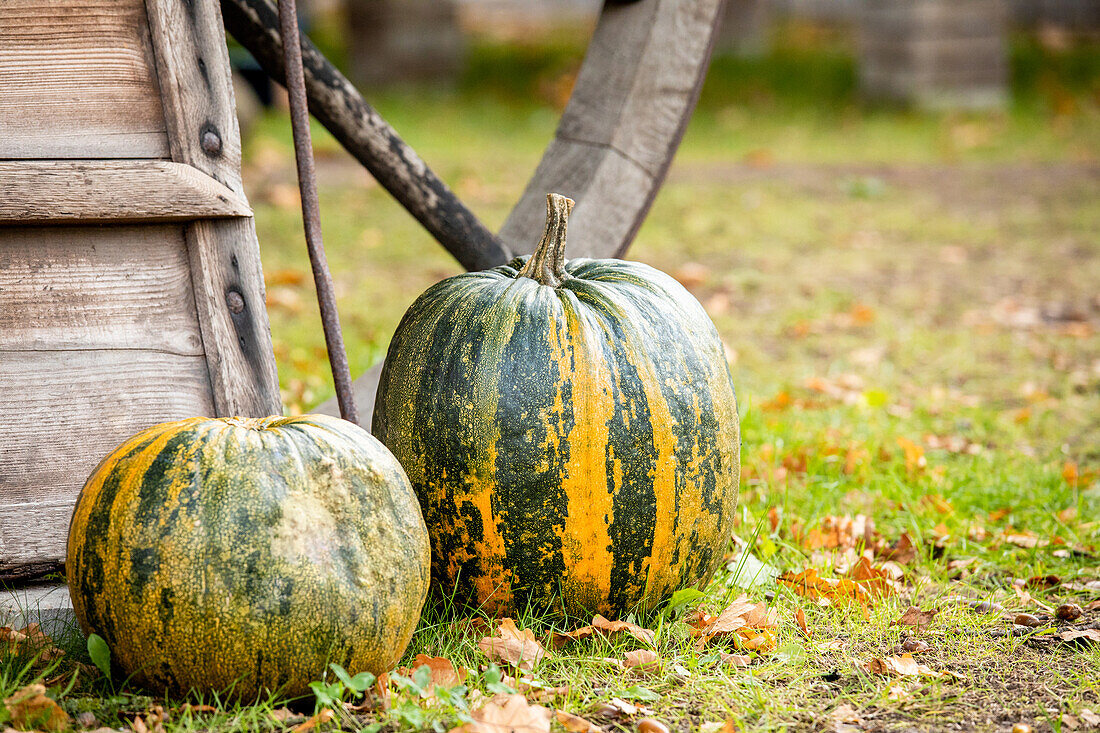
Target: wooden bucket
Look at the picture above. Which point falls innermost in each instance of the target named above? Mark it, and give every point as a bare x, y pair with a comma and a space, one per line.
131, 291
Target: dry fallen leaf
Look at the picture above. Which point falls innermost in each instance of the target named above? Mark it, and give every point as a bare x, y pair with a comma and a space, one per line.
575, 723
734, 660
281, 715
904, 666
749, 624
1089, 718
881, 580
810, 585
30, 709
845, 713
916, 617
915, 645
1087, 636
642, 660
324, 716
800, 618
536, 691
601, 625
902, 692
903, 551
1027, 540
838, 533
513, 646
610, 628
558, 639
443, 672
650, 725
1027, 599
508, 714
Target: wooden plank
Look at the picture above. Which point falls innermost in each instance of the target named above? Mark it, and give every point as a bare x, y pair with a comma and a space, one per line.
632, 100
194, 76
66, 410
119, 287
42, 191
77, 81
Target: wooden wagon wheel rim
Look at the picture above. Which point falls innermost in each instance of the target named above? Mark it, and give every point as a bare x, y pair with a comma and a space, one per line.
633, 97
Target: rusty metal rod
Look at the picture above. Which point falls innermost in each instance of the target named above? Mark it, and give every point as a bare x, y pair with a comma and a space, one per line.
311, 211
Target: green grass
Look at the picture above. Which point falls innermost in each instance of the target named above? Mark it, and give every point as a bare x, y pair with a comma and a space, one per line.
880, 276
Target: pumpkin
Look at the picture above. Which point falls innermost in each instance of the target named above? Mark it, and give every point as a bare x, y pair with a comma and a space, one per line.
570, 429
248, 554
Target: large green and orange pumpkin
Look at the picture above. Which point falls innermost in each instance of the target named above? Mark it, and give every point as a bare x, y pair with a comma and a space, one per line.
247, 554
570, 429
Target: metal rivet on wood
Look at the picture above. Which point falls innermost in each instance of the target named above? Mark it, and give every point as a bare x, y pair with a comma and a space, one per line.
211, 142
235, 301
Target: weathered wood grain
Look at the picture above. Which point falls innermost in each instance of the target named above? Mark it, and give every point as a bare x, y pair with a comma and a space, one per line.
77, 81
64, 411
53, 191
195, 83
82, 288
633, 97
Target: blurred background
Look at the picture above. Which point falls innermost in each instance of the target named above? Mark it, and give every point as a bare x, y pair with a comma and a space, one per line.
890, 208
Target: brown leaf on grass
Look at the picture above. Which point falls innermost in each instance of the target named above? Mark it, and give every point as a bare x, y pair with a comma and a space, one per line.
600, 625
903, 551
30, 639
443, 672
534, 690
914, 455
324, 716
879, 580
800, 619
913, 616
845, 713
651, 725
1027, 540
915, 645
508, 714
475, 624
773, 519
575, 723
1089, 718
749, 624
838, 533
937, 502
1093, 605
617, 707
192, 708
282, 715
902, 693
30, 709
809, 584
514, 646
734, 660
558, 639
904, 666
610, 628
1027, 600
642, 660
1084, 636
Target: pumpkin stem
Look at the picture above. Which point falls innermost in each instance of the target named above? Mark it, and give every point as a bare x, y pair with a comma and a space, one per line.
547, 264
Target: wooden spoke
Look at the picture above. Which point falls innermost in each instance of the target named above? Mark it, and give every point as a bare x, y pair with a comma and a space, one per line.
632, 101
631, 104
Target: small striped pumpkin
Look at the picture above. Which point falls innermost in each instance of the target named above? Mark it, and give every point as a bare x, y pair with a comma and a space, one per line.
248, 554
570, 429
